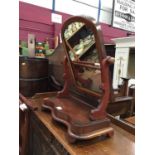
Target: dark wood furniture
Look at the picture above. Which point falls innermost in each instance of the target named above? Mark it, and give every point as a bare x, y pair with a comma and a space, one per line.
82, 119
48, 137
23, 130
121, 100
131, 120
33, 75
132, 93
24, 121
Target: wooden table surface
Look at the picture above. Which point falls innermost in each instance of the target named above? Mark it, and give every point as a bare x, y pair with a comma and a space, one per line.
122, 143
131, 120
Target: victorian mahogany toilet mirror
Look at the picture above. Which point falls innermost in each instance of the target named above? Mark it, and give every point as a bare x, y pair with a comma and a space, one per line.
85, 60
84, 47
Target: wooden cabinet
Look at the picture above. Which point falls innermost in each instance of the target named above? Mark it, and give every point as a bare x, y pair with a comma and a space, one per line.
41, 141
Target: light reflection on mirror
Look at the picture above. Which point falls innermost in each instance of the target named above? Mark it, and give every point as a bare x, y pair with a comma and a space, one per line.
72, 28
81, 47
89, 78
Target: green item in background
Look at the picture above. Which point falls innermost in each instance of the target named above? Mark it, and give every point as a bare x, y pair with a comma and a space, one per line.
49, 52
25, 51
24, 44
46, 46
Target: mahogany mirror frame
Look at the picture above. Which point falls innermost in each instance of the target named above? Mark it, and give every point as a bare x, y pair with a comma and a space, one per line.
99, 112
99, 43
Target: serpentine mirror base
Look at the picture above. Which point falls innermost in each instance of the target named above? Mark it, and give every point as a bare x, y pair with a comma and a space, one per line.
75, 114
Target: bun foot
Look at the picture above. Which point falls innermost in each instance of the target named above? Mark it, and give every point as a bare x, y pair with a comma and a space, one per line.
110, 134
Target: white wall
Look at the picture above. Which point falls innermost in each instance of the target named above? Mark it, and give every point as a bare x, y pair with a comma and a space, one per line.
74, 8
42, 3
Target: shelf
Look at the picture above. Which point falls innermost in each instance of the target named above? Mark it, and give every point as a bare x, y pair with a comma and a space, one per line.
84, 50
87, 48
75, 32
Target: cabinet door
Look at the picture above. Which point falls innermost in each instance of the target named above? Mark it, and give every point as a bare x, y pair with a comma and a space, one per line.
42, 142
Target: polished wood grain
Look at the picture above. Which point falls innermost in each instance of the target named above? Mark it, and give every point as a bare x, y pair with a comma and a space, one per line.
33, 68
24, 122
64, 106
122, 124
122, 143
23, 131
82, 121
131, 120
33, 75
74, 113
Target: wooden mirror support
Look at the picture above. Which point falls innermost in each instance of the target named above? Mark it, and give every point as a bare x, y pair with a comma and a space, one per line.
83, 120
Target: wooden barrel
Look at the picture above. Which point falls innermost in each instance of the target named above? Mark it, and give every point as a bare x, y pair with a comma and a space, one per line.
33, 75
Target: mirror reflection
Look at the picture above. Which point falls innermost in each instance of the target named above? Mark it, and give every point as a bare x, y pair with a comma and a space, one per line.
86, 77
81, 48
